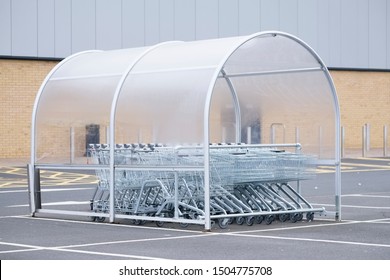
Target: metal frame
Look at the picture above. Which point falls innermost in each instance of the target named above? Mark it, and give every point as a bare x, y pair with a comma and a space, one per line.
33, 167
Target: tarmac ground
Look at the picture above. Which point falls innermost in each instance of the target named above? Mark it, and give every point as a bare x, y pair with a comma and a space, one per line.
363, 233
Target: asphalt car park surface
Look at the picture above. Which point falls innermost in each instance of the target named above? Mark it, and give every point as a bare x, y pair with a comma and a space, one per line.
363, 233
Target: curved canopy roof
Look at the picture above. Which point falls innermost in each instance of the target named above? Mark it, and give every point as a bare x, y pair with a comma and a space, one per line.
268, 87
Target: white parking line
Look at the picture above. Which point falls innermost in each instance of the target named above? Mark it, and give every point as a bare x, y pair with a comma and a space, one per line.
49, 190
353, 206
70, 202
311, 240
75, 248
31, 248
366, 195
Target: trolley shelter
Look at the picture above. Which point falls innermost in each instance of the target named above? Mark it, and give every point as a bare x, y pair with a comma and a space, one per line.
203, 132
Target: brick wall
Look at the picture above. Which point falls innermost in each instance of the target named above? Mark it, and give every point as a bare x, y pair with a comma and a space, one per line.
19, 84
364, 98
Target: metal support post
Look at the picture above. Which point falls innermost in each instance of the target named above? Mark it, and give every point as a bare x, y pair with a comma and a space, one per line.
364, 140
385, 140
72, 149
249, 135
342, 141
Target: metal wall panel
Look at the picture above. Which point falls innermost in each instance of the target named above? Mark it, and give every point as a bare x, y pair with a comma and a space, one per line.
249, 16
83, 25
388, 35
323, 31
46, 28
133, 23
185, 20
108, 24
308, 22
354, 25
24, 27
63, 28
345, 33
334, 33
349, 25
228, 18
152, 22
289, 16
362, 34
377, 34
5, 27
206, 19
167, 20
269, 15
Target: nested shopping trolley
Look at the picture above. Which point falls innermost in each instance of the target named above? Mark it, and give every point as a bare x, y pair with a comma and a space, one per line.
248, 183
205, 132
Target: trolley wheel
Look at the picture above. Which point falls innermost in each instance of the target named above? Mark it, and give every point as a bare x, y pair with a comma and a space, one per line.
184, 225
300, 216
294, 217
92, 218
240, 220
223, 222
283, 217
310, 216
250, 220
139, 222
269, 219
259, 219
159, 223
100, 219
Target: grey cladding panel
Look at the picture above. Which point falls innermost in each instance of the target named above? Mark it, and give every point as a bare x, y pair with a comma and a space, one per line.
108, 24
377, 34
249, 16
308, 22
269, 17
152, 22
185, 20
323, 31
24, 28
334, 33
133, 23
289, 16
206, 19
46, 30
167, 21
345, 33
228, 18
83, 25
5, 27
388, 36
63, 28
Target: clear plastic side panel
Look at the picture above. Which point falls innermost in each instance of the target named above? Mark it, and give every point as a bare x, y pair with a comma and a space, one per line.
72, 115
74, 108
289, 108
284, 95
223, 123
284, 98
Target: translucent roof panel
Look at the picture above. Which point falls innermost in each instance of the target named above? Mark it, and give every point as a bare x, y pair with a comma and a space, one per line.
270, 53
265, 88
163, 98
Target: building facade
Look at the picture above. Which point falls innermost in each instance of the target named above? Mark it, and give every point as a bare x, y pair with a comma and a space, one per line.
351, 36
